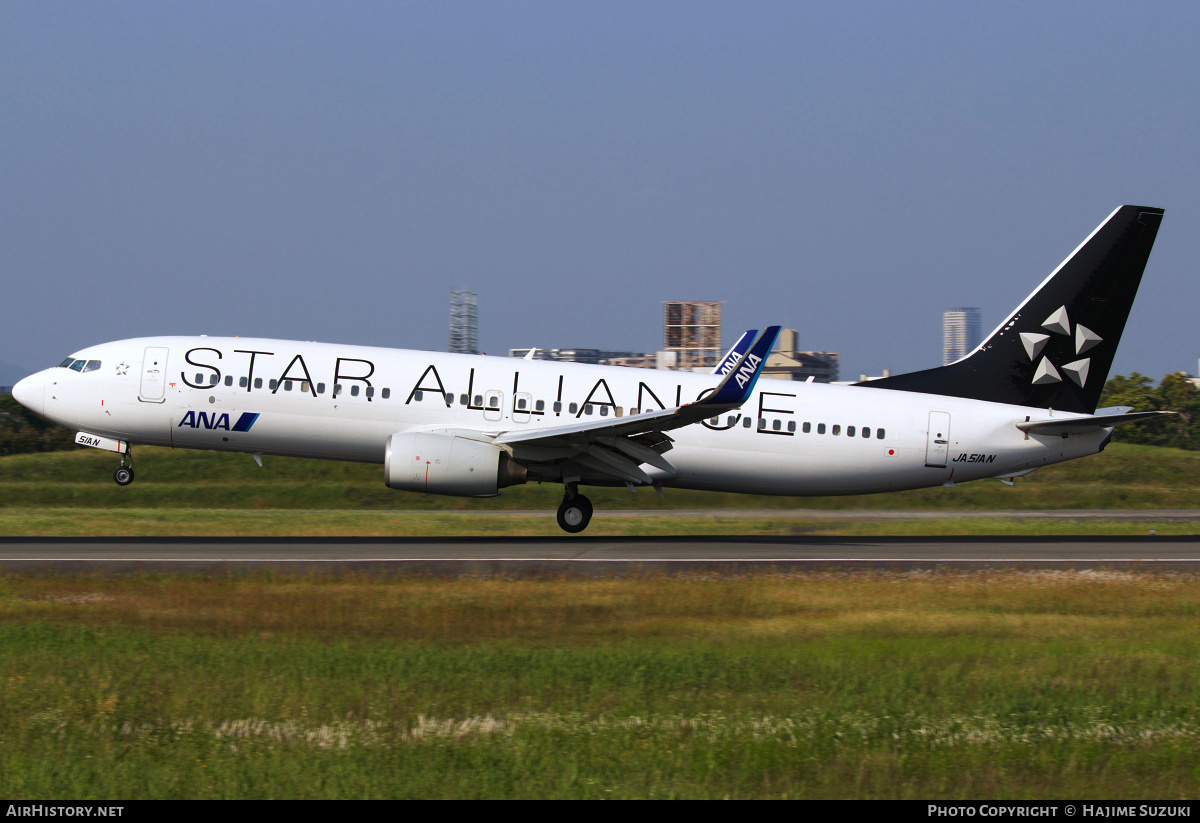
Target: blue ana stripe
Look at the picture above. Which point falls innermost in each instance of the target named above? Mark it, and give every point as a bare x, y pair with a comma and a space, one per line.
245, 422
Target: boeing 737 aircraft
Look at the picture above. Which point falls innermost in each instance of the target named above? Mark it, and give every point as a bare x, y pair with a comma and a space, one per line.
470, 425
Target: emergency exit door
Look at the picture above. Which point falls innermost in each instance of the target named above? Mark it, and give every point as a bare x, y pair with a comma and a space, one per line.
937, 444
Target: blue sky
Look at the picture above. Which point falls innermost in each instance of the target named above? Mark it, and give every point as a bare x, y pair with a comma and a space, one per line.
330, 171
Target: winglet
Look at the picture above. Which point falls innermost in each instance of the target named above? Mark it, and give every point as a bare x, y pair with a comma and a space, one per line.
735, 354
739, 382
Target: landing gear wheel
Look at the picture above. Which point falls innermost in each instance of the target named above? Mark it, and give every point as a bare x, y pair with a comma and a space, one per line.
123, 475
574, 514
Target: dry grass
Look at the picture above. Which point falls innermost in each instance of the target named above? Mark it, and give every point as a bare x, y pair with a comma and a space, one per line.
998, 684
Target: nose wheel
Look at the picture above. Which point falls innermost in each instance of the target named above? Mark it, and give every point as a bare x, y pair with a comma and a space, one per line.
575, 511
124, 473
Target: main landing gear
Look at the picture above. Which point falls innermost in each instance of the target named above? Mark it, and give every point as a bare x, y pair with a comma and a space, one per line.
575, 511
124, 473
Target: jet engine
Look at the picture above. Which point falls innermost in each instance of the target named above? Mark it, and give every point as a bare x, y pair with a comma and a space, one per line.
447, 463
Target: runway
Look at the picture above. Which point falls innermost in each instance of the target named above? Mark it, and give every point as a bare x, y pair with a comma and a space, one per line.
584, 556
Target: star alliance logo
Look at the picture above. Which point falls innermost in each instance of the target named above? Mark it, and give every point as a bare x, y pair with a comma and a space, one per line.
1076, 370
122, 368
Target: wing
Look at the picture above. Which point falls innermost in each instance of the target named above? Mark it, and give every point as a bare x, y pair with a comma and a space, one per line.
732, 357
618, 447
1078, 425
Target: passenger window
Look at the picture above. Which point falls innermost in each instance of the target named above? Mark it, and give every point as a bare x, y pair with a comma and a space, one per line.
212, 380
229, 380
494, 402
521, 403
287, 385
464, 400
603, 411
730, 420
354, 390
449, 397
849, 431
879, 434
776, 425
807, 427
199, 376
557, 407
540, 405
479, 400
258, 382
574, 407
320, 388
792, 426
243, 382
370, 391
418, 395
92, 365
337, 389
273, 384
386, 393
745, 422
617, 411
305, 386
633, 410
820, 428
587, 409
837, 429
866, 431
762, 423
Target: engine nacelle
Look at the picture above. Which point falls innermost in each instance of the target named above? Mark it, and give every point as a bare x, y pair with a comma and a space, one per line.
442, 463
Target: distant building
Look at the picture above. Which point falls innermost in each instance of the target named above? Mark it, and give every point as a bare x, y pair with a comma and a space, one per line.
464, 318
693, 332
785, 362
960, 333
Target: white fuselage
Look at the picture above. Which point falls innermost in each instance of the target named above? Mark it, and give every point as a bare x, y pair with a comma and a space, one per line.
204, 393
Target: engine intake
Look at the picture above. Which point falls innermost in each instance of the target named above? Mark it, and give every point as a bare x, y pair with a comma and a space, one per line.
441, 463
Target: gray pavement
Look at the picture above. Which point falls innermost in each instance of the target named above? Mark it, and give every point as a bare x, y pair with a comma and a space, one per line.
592, 556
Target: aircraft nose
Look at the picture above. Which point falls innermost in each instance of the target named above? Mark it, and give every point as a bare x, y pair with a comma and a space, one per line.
31, 393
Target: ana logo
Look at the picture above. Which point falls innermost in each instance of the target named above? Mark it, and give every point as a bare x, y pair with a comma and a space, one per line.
746, 372
215, 420
1076, 370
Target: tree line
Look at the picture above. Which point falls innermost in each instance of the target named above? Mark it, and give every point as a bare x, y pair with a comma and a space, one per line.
23, 432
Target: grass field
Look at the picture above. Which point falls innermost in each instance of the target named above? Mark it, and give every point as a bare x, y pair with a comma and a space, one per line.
163, 522
209, 494
1006, 685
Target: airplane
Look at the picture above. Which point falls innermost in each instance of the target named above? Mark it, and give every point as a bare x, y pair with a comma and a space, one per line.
471, 425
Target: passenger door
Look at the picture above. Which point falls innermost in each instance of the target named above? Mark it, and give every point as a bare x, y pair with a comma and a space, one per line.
937, 444
154, 375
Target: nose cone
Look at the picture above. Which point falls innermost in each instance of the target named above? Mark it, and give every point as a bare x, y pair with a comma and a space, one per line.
31, 393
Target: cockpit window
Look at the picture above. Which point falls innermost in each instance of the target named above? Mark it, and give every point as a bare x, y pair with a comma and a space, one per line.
79, 365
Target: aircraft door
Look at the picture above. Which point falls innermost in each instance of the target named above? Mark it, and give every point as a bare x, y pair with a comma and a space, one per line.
154, 375
493, 405
937, 445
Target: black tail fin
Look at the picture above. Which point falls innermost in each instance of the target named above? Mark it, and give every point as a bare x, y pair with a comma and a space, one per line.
1055, 350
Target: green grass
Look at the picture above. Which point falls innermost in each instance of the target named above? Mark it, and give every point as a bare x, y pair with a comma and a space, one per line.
1013, 685
163, 522
1122, 477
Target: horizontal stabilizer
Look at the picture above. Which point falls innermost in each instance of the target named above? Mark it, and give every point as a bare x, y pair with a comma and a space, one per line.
1078, 425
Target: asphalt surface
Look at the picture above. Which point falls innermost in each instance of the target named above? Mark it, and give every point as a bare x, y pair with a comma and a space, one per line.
586, 556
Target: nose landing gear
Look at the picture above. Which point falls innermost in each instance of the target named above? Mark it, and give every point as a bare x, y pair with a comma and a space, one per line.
575, 511
124, 473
